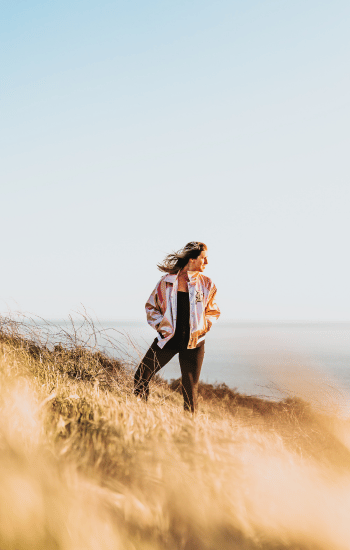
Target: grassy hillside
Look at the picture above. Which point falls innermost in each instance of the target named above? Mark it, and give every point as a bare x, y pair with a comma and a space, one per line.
85, 465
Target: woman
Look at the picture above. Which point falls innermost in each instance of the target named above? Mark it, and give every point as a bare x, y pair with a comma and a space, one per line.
182, 309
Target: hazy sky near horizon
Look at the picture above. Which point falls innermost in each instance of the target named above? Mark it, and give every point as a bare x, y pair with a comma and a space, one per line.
130, 128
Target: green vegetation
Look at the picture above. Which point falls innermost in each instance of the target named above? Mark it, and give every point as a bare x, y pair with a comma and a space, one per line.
86, 465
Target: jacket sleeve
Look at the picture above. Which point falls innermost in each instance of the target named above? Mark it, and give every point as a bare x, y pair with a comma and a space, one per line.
153, 310
212, 311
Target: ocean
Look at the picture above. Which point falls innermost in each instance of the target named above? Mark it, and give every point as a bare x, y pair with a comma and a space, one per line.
264, 359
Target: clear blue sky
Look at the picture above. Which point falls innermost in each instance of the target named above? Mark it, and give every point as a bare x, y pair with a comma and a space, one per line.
130, 128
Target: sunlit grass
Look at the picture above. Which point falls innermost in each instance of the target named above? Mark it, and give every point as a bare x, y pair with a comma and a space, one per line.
86, 465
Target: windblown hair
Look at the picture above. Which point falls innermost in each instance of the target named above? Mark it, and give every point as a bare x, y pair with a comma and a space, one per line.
177, 260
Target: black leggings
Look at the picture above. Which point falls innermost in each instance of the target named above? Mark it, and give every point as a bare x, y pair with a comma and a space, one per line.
191, 361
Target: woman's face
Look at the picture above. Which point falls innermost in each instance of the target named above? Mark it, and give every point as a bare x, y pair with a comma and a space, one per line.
199, 264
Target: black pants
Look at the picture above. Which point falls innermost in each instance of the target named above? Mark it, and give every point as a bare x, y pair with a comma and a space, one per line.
191, 361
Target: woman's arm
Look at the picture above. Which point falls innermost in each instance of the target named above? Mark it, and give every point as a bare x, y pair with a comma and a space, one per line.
212, 311
153, 311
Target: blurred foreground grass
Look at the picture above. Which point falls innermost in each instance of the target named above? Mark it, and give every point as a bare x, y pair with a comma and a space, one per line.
85, 465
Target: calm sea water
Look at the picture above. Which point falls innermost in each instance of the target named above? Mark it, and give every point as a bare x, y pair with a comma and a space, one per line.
266, 359
257, 358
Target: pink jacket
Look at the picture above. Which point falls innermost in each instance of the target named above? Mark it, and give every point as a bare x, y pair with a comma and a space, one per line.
161, 307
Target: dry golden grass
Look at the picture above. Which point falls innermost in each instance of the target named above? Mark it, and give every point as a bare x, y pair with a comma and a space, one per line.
86, 465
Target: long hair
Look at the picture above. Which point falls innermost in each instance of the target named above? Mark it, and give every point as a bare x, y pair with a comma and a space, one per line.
175, 261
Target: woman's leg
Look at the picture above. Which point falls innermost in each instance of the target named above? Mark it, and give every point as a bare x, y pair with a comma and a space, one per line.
152, 362
191, 361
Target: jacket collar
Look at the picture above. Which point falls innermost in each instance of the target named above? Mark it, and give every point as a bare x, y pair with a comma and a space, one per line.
170, 278
192, 275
